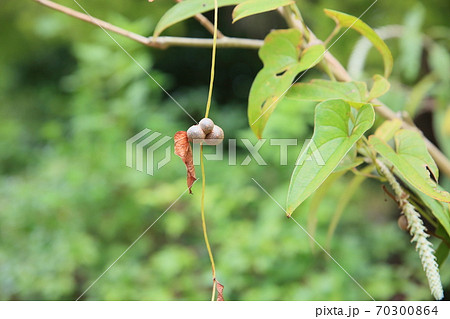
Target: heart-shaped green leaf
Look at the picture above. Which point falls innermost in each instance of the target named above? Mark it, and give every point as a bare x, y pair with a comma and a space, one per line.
346, 20
187, 9
283, 60
387, 130
251, 7
380, 86
354, 93
334, 135
412, 160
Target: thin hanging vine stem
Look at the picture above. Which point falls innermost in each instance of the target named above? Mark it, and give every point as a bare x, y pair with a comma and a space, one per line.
205, 234
202, 165
213, 61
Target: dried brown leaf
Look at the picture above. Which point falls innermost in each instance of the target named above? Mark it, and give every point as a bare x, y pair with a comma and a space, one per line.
184, 151
219, 291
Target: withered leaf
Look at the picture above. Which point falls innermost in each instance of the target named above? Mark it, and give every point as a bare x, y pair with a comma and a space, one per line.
184, 151
219, 291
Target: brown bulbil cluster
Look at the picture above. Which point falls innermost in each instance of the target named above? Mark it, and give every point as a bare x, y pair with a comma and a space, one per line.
205, 132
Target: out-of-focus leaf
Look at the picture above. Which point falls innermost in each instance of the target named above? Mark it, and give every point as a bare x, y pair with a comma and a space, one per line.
348, 163
441, 123
412, 160
418, 93
251, 7
380, 86
334, 135
411, 43
316, 199
439, 210
354, 93
283, 60
441, 253
184, 151
187, 9
350, 190
219, 291
346, 20
439, 60
387, 130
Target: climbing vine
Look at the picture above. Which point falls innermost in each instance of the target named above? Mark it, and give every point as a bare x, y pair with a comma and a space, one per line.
394, 153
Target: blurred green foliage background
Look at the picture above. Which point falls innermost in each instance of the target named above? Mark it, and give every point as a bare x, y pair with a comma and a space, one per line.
70, 98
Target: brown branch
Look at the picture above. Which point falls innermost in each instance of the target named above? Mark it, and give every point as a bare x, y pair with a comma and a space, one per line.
208, 25
341, 74
227, 42
160, 42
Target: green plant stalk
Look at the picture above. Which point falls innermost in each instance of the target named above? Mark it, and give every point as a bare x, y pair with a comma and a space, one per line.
213, 60
205, 233
293, 11
332, 34
368, 149
208, 107
324, 66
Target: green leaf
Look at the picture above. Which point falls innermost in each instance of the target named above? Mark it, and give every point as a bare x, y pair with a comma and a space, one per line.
316, 200
387, 130
441, 119
346, 20
350, 190
311, 56
418, 94
441, 253
411, 43
187, 9
380, 86
412, 161
354, 93
251, 7
440, 232
283, 60
348, 163
439, 60
334, 135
